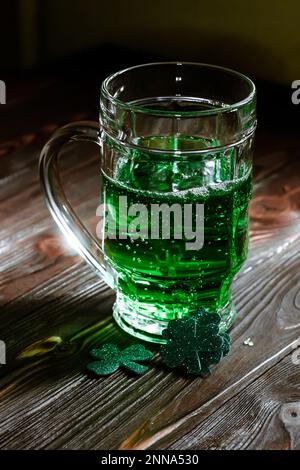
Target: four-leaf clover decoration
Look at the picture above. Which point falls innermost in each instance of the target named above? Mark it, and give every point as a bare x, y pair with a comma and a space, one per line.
195, 343
109, 358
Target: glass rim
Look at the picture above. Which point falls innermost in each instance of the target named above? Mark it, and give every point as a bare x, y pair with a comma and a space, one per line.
156, 112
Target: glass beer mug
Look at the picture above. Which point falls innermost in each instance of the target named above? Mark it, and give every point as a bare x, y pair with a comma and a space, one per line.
175, 158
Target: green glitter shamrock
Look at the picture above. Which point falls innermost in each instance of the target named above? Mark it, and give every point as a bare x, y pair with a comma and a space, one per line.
110, 358
195, 343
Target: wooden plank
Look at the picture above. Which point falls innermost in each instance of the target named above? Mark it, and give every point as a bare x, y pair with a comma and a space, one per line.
253, 418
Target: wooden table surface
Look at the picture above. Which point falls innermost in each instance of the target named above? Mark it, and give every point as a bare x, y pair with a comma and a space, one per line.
54, 308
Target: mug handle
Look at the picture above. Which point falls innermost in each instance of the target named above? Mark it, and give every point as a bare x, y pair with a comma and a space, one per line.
61, 210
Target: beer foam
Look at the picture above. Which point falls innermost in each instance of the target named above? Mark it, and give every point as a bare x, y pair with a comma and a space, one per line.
202, 191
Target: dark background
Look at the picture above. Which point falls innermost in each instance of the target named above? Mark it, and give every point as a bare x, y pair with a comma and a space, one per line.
74, 44
259, 37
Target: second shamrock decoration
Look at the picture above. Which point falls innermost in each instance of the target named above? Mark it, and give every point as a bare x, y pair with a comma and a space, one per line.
195, 343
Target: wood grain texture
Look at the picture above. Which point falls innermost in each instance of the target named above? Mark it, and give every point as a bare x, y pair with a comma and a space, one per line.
54, 308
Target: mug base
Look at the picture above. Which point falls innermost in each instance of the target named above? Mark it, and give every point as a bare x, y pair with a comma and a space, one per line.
149, 329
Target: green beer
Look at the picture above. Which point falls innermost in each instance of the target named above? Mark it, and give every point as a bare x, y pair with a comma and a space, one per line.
160, 279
